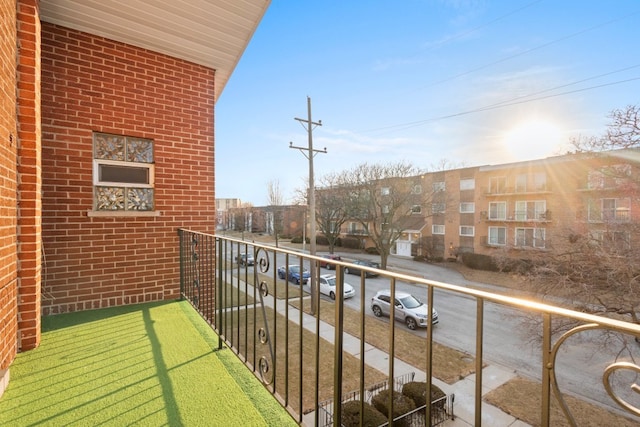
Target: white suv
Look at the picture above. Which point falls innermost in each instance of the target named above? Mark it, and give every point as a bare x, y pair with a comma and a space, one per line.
409, 309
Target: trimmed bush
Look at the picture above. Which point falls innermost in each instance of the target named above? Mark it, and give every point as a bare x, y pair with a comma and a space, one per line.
372, 250
298, 239
417, 391
350, 243
401, 405
351, 415
322, 240
479, 261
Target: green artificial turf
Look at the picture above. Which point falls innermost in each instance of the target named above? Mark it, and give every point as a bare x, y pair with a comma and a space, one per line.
152, 364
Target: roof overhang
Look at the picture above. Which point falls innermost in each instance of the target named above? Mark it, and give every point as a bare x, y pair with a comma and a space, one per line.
212, 33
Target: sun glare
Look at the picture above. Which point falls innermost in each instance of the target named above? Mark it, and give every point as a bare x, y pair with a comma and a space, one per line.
534, 139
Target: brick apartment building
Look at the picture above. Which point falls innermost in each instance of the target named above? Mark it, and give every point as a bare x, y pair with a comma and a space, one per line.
107, 130
522, 209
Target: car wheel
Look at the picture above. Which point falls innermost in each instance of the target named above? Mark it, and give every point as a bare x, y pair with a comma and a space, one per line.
297, 281
329, 267
347, 271
280, 275
411, 323
332, 295
376, 311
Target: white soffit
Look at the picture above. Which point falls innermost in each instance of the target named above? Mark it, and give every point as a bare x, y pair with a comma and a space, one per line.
213, 33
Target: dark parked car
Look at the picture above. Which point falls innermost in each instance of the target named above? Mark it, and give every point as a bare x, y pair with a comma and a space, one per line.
356, 270
292, 273
409, 309
328, 265
247, 259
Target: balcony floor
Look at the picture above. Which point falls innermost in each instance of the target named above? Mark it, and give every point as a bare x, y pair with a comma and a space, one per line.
151, 364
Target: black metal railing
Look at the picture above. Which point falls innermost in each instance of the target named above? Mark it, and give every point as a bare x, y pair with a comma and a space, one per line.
280, 330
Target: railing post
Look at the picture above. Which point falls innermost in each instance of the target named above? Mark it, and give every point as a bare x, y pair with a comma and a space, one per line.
479, 349
181, 250
545, 408
218, 291
338, 346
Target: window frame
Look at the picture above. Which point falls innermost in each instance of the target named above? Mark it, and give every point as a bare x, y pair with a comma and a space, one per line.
472, 210
498, 242
438, 233
467, 184
471, 227
125, 152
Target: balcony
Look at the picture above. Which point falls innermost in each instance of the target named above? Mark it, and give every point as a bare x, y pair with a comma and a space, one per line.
518, 190
517, 216
244, 342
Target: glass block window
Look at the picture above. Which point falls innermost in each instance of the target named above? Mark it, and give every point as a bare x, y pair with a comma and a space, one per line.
123, 173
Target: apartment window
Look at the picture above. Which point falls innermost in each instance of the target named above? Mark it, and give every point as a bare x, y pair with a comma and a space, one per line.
416, 209
530, 210
437, 208
123, 173
497, 185
438, 186
385, 191
467, 207
613, 240
611, 210
497, 236
540, 181
467, 184
530, 237
467, 230
385, 209
353, 228
608, 177
416, 189
535, 182
437, 229
498, 210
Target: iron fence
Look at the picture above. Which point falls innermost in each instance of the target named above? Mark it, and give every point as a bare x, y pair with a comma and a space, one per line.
280, 330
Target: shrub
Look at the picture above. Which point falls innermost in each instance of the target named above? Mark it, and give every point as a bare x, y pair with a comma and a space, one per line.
351, 243
372, 250
298, 239
479, 261
417, 391
351, 415
322, 240
401, 405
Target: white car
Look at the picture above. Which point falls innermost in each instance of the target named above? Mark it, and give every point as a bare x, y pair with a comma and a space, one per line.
328, 287
409, 309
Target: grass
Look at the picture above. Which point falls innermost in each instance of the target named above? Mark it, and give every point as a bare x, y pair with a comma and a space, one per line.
519, 397
149, 364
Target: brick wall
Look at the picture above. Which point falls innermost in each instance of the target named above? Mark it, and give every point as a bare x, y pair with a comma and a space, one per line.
93, 84
8, 160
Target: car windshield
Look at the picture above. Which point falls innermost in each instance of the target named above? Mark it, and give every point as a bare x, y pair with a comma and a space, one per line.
331, 281
410, 302
294, 269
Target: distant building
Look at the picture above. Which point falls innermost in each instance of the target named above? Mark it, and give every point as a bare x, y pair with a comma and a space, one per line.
523, 208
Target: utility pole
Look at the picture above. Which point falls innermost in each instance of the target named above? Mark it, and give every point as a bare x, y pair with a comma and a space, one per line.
309, 152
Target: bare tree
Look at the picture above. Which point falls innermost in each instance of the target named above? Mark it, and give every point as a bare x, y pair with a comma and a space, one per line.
274, 193
381, 197
275, 201
597, 269
331, 206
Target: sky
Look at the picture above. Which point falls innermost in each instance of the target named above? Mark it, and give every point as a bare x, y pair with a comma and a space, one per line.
430, 82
